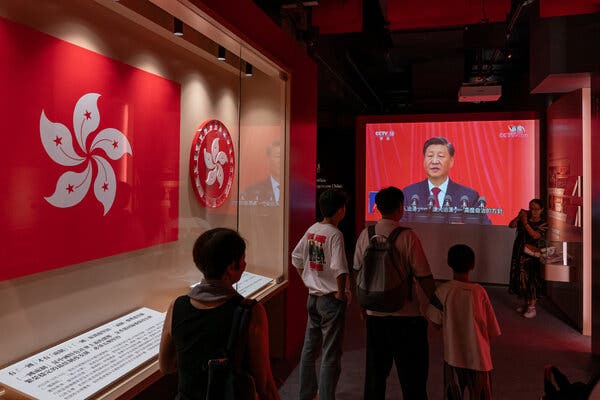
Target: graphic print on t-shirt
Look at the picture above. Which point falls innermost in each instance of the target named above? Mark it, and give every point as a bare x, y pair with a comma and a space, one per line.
316, 256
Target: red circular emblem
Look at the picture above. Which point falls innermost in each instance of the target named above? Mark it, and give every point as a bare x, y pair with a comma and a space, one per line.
212, 163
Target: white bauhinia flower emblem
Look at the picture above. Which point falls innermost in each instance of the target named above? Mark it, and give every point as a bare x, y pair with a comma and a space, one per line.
214, 161
72, 186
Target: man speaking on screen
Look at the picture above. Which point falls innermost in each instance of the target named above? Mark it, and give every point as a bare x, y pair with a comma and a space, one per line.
439, 193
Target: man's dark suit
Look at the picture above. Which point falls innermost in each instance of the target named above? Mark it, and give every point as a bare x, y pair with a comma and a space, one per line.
455, 190
262, 222
261, 192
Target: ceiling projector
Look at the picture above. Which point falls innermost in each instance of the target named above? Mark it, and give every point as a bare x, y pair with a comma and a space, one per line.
479, 93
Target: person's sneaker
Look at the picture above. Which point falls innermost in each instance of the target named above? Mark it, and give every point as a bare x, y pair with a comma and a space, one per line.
530, 313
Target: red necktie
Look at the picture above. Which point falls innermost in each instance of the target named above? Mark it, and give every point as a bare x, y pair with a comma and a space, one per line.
436, 191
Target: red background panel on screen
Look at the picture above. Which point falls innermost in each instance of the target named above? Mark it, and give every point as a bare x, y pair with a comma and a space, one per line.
91, 154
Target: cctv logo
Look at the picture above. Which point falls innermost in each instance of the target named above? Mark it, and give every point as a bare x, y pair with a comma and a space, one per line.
385, 134
514, 131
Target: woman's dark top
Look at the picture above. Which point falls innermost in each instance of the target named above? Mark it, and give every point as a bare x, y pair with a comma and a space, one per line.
523, 238
518, 283
199, 335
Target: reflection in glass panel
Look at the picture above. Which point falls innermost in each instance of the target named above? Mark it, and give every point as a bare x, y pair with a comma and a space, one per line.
261, 171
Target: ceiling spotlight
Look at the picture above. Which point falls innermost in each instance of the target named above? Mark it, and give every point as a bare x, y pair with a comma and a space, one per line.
221, 54
177, 27
248, 69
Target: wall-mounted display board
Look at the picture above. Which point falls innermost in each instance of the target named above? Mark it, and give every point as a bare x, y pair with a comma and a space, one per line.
92, 145
84, 365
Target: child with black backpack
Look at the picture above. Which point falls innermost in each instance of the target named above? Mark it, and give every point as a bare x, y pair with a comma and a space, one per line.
467, 318
388, 261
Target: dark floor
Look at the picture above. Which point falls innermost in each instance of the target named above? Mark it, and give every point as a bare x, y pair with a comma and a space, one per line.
519, 355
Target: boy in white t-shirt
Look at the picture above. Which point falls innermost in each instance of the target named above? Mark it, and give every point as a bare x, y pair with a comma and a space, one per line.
320, 259
467, 318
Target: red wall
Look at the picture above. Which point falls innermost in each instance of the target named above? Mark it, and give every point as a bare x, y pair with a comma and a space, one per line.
249, 22
557, 8
596, 211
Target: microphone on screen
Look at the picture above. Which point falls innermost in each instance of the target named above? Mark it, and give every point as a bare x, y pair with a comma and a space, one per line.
430, 202
414, 200
447, 200
464, 201
481, 202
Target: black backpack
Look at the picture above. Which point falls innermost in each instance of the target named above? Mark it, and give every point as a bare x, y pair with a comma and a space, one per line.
227, 380
384, 282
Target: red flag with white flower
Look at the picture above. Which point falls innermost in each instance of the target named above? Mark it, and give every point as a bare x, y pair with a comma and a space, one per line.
91, 154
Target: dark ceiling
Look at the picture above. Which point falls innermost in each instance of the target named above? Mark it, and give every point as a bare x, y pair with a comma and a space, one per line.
388, 57
382, 70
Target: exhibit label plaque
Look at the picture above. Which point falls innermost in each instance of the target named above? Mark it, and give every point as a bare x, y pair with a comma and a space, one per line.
248, 284
88, 363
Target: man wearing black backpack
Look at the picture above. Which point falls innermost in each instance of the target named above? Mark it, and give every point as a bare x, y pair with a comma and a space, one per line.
398, 335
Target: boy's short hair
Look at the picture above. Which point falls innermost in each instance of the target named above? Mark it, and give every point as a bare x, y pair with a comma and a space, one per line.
330, 201
216, 249
461, 258
389, 200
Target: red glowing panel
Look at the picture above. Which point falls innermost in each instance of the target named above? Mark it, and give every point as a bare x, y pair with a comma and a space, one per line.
91, 154
495, 159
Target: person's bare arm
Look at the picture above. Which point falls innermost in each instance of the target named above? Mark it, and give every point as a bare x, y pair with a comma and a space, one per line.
515, 221
418, 261
534, 234
258, 354
341, 287
167, 356
427, 283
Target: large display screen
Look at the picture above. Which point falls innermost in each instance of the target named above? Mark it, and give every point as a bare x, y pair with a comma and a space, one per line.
486, 170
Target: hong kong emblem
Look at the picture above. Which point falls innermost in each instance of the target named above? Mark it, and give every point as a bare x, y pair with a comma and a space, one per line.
212, 163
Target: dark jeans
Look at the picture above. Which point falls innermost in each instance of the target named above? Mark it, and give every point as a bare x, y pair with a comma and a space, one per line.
402, 340
458, 381
325, 327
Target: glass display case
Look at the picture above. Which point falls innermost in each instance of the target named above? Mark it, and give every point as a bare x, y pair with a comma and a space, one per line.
172, 124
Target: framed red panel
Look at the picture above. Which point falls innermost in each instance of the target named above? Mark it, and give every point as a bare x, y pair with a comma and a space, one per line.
92, 167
